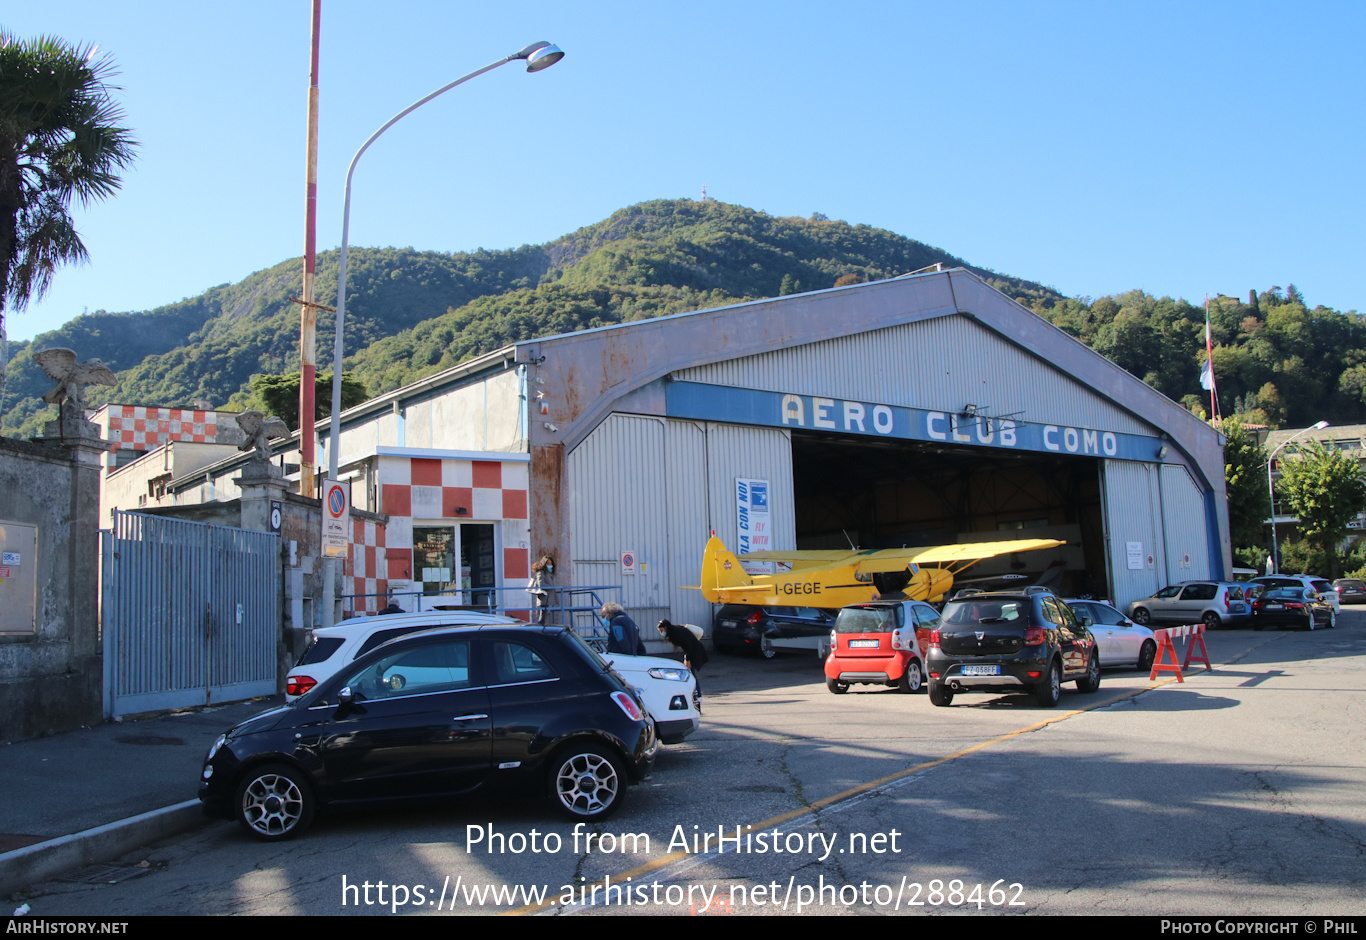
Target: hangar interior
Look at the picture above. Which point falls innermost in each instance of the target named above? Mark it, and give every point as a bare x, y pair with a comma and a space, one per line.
897, 493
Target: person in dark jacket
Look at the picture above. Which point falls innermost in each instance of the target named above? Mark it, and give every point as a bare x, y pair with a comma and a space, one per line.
694, 653
623, 636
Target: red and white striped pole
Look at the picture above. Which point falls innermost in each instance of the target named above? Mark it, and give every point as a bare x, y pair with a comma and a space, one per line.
308, 369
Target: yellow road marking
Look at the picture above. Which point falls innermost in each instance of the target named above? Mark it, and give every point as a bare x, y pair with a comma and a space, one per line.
820, 804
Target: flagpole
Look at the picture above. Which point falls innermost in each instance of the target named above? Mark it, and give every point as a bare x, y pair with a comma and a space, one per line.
1209, 360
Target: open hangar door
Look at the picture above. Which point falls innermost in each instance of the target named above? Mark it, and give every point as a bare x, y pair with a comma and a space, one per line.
894, 493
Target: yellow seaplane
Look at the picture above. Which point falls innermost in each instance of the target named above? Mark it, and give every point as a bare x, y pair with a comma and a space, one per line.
836, 578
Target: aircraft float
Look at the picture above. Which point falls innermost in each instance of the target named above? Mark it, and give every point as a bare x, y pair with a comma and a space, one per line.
836, 578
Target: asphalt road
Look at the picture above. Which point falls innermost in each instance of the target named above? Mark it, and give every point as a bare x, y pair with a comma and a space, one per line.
1237, 792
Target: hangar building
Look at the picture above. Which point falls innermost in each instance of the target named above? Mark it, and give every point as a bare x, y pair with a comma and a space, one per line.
923, 410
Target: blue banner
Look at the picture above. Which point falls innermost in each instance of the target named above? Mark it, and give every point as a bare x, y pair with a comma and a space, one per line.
842, 416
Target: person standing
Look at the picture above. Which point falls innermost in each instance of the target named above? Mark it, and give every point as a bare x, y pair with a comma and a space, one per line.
623, 636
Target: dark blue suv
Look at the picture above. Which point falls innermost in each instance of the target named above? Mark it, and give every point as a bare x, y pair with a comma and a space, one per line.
1010, 642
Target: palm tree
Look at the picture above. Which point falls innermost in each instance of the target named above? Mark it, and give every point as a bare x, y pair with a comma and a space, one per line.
60, 138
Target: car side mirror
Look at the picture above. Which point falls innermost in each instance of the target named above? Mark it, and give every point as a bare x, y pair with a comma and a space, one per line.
1086, 621
346, 698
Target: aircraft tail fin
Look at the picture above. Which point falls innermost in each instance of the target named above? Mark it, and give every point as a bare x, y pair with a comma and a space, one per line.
721, 569
1051, 577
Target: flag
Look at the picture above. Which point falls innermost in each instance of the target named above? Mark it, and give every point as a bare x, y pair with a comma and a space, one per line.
1207, 370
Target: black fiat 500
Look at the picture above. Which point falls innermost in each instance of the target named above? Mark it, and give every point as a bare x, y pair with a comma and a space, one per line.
1007, 642
441, 713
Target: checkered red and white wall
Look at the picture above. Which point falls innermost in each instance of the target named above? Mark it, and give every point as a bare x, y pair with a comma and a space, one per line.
366, 567
134, 427
439, 490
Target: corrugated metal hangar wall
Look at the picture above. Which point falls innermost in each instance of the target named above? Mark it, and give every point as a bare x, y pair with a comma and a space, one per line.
656, 487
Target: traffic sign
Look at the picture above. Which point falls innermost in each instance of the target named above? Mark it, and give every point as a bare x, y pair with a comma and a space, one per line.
336, 519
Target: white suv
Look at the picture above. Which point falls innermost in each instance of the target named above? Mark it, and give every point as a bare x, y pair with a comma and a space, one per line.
667, 688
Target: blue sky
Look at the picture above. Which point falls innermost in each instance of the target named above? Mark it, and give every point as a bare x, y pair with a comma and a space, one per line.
1181, 148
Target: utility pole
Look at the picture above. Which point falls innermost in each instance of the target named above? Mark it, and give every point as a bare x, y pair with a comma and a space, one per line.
308, 369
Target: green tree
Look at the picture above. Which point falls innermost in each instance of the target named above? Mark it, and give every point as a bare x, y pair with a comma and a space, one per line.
1325, 488
279, 395
60, 139
1245, 481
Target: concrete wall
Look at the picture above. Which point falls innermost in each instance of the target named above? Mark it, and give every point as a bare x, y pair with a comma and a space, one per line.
50, 680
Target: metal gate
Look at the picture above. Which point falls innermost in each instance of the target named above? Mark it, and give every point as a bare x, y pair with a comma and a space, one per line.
190, 613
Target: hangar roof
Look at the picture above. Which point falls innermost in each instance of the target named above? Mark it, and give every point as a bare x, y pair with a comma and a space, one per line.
585, 376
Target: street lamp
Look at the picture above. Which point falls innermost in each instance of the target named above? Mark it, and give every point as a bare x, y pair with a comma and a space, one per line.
1271, 491
538, 56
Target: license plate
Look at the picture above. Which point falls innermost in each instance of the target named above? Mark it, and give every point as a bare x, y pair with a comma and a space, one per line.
981, 670
863, 644
728, 623
1273, 606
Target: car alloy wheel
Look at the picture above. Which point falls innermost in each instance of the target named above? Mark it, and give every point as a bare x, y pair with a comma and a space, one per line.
1048, 692
274, 802
1142, 617
587, 782
912, 679
1212, 621
1092, 680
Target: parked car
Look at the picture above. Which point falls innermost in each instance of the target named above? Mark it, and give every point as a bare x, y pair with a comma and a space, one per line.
1010, 642
1214, 603
1350, 591
743, 628
332, 648
877, 644
448, 712
1307, 581
1121, 642
668, 689
1292, 607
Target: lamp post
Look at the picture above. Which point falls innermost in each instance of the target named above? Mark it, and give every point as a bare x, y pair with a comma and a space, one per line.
538, 56
1271, 490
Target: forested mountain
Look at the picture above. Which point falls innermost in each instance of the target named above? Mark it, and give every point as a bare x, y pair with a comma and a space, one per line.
1276, 361
412, 313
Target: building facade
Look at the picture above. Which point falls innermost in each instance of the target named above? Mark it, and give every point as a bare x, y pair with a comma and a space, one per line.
922, 410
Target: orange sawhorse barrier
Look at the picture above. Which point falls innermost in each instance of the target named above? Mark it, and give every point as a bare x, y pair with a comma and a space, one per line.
1196, 636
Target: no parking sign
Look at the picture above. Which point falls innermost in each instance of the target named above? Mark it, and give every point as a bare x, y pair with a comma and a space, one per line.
336, 519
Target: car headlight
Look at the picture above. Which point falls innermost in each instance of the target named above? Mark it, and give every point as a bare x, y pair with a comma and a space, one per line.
222, 739
678, 674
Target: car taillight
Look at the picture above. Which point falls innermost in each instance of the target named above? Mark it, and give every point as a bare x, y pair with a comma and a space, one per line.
1033, 636
628, 705
298, 685
934, 639
1225, 597
755, 617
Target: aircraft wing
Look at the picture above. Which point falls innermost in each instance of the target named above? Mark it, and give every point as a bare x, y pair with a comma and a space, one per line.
827, 555
974, 551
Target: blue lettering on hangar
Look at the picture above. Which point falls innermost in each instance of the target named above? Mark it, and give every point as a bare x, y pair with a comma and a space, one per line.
704, 402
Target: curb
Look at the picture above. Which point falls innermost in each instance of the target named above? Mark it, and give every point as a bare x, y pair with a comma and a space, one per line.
39, 862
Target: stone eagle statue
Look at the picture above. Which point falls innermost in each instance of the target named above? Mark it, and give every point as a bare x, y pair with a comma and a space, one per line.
71, 377
260, 430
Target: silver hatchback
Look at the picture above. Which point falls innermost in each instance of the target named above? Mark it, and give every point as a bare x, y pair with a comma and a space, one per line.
1214, 603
